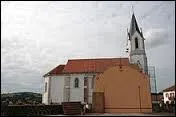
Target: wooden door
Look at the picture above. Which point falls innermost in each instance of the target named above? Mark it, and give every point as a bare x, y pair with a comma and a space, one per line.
98, 102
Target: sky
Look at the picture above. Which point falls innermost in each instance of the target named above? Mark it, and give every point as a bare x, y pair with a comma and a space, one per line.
37, 36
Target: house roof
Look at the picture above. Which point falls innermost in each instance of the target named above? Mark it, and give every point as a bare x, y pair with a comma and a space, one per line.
87, 65
172, 88
92, 65
56, 70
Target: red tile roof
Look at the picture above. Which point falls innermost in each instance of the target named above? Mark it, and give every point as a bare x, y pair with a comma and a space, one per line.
55, 71
92, 65
172, 88
87, 65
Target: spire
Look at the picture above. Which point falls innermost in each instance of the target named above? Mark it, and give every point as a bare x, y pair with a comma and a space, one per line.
133, 26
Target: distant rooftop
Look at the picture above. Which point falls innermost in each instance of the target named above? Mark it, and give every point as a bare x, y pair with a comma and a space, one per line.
172, 88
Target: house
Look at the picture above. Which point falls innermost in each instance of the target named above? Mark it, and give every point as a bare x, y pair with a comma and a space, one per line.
76, 80
169, 94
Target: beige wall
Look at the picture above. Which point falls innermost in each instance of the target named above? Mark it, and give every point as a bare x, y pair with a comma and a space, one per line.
121, 92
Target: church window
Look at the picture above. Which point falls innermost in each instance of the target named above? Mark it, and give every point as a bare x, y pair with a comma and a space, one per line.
136, 43
45, 86
76, 82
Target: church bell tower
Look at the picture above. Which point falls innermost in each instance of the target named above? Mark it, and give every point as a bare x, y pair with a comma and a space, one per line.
137, 49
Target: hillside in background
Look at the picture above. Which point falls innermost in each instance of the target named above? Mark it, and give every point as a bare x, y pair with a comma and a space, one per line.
22, 98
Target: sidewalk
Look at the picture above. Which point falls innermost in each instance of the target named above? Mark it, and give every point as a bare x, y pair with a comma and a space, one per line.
122, 114
130, 114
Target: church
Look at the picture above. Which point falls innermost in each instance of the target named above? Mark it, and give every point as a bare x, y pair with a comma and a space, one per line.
106, 84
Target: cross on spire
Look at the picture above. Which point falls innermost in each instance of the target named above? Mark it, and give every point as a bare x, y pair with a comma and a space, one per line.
132, 9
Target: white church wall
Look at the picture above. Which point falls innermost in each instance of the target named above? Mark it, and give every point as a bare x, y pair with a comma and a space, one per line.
139, 53
62, 88
45, 93
77, 94
57, 89
135, 58
90, 89
66, 88
140, 42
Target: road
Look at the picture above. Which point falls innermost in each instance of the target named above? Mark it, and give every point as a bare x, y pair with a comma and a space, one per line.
123, 114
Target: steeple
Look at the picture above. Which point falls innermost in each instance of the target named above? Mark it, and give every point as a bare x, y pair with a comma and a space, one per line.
134, 26
137, 49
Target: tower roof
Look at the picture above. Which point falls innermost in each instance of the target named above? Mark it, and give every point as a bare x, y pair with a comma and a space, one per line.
134, 26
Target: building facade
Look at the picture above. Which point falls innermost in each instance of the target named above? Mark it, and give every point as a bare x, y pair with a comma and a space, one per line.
169, 94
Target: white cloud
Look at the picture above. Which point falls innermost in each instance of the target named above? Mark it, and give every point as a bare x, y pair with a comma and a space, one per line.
156, 37
37, 36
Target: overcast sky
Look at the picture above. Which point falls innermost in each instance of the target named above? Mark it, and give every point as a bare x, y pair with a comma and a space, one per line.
38, 36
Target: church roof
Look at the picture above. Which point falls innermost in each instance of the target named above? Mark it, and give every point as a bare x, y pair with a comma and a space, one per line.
134, 26
87, 65
92, 65
56, 70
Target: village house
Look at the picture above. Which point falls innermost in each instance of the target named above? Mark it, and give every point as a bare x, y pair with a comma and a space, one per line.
123, 83
169, 94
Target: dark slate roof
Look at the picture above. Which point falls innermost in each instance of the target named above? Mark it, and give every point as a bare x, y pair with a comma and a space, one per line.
134, 26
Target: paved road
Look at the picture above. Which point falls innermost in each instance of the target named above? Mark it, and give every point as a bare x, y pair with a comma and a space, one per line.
133, 114
123, 114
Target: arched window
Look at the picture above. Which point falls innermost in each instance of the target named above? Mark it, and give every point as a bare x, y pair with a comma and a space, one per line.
76, 82
136, 43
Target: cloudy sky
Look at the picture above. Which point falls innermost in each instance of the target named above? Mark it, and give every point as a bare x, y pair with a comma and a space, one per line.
38, 36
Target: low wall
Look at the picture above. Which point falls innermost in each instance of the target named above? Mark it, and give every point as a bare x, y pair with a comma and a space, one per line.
163, 108
13, 110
